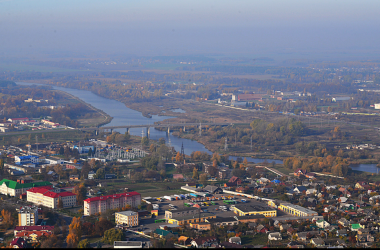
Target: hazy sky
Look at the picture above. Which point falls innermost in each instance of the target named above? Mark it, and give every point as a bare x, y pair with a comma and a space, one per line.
175, 27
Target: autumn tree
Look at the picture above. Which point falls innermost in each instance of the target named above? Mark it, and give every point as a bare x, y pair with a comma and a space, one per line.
80, 192
195, 173
179, 157
7, 218
75, 232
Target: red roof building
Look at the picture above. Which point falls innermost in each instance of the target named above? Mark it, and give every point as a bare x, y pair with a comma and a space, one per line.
18, 243
33, 229
46, 196
103, 203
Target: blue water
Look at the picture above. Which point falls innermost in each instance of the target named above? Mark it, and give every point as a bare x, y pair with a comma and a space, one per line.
371, 168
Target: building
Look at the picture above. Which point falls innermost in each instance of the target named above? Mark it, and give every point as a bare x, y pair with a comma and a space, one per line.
26, 168
219, 222
33, 228
13, 188
21, 160
190, 219
127, 218
17, 120
377, 105
181, 212
46, 196
103, 203
33, 236
91, 175
202, 226
205, 242
247, 97
296, 210
18, 243
127, 244
28, 216
256, 208
84, 149
250, 218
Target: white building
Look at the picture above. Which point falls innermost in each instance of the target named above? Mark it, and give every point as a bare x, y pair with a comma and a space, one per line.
28, 216
49, 197
127, 218
20, 160
377, 105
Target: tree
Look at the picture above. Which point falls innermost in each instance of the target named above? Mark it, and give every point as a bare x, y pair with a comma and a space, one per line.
7, 218
60, 203
179, 157
84, 244
100, 174
195, 173
89, 152
113, 234
149, 207
80, 191
75, 232
203, 179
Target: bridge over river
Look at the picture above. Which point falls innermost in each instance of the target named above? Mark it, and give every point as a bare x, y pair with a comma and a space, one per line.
158, 125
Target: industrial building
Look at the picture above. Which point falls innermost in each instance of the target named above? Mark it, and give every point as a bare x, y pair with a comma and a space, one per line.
255, 208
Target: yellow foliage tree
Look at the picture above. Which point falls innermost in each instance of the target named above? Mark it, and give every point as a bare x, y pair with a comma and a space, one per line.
75, 232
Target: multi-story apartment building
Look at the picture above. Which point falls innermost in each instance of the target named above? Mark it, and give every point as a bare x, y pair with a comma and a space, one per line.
103, 203
13, 188
127, 218
28, 216
48, 197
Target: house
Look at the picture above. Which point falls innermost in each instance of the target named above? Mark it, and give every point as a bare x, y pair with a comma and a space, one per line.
91, 175
311, 191
291, 231
284, 226
183, 240
163, 233
300, 172
355, 227
360, 184
202, 226
317, 242
18, 243
342, 199
33, 236
294, 244
275, 236
227, 221
344, 222
341, 232
236, 181
235, 240
300, 189
204, 242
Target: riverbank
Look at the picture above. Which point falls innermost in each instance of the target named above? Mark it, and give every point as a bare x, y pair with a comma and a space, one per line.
103, 118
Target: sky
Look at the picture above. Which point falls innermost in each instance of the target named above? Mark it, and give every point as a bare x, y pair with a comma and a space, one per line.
307, 28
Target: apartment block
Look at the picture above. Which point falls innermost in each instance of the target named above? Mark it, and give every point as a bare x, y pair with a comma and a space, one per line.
103, 203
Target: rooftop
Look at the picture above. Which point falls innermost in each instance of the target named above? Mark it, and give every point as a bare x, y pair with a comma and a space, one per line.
16, 185
127, 213
202, 215
112, 196
256, 207
299, 208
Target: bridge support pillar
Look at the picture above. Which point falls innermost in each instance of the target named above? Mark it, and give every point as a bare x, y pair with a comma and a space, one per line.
148, 132
168, 130
127, 130
111, 130
184, 129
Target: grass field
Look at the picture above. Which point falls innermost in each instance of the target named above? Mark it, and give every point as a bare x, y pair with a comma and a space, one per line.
258, 239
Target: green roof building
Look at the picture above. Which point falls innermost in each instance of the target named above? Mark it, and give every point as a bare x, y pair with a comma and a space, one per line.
13, 188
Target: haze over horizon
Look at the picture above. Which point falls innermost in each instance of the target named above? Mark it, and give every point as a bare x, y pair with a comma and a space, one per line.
322, 29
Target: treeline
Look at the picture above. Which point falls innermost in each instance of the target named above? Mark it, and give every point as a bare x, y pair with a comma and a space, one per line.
330, 164
284, 132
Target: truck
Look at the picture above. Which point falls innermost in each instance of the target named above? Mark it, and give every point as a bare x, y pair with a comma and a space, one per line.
194, 195
156, 207
182, 196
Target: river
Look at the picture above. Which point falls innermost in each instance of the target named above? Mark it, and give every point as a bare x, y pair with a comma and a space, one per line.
122, 115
